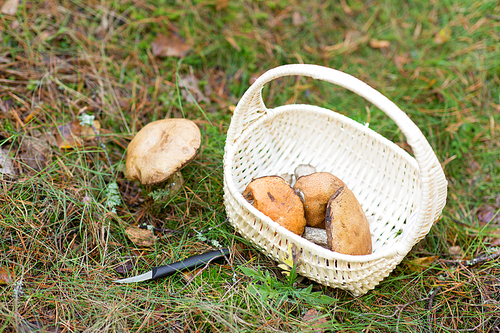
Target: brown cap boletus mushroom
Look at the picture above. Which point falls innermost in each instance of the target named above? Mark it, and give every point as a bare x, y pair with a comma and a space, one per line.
275, 198
315, 190
347, 229
160, 149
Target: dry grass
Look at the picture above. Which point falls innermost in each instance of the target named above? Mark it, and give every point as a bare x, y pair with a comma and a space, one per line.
62, 245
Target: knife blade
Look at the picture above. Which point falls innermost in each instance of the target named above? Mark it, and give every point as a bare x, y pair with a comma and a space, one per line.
188, 263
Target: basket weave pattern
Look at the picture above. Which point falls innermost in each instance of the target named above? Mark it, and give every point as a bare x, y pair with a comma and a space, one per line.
401, 195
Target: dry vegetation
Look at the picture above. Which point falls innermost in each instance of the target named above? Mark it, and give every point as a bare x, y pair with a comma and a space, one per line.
127, 63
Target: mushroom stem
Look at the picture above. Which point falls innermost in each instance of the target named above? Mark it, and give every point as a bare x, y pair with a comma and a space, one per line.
316, 235
304, 170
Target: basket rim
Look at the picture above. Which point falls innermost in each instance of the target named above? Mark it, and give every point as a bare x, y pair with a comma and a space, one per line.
398, 249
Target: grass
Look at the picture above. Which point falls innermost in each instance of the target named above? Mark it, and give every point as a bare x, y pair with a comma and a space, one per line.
63, 245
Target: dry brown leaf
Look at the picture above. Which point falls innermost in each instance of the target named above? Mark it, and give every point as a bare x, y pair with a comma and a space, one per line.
14, 25
230, 40
169, 46
103, 28
124, 268
10, 7
443, 36
4, 60
72, 135
190, 89
221, 4
495, 242
36, 151
379, 44
352, 40
455, 250
6, 163
5, 105
140, 237
488, 214
401, 60
317, 322
297, 18
44, 35
420, 264
191, 274
5, 276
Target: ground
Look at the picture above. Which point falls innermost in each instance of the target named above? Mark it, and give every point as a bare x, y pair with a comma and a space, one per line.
79, 78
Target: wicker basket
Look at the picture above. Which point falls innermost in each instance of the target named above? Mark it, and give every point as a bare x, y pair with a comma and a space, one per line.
401, 195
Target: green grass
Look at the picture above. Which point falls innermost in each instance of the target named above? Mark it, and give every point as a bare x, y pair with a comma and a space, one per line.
63, 244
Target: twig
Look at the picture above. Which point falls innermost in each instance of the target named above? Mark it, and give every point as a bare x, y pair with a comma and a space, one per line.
429, 305
481, 259
171, 231
165, 230
404, 306
493, 17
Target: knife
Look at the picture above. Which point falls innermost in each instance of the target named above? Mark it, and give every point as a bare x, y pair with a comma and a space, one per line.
188, 263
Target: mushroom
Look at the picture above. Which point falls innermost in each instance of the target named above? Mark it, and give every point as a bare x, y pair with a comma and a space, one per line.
304, 170
316, 235
288, 177
160, 149
347, 229
275, 198
315, 190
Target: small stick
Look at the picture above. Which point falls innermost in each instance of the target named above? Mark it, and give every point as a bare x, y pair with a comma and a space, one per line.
481, 259
429, 306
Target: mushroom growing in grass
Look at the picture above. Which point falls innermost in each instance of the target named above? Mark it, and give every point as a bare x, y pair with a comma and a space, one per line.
160, 149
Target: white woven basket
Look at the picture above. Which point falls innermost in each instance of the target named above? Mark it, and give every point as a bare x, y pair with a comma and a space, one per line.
402, 196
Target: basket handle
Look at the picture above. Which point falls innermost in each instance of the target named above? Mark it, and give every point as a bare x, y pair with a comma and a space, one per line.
433, 181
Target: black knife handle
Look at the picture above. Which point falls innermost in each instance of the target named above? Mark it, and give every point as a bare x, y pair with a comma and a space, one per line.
188, 263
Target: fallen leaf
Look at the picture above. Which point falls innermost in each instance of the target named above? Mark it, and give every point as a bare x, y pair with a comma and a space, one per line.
352, 40
400, 61
191, 274
316, 320
140, 237
495, 242
103, 28
379, 44
297, 18
5, 276
73, 134
5, 105
455, 250
420, 264
443, 36
6, 164
5, 61
488, 214
44, 35
221, 4
124, 268
170, 46
230, 40
190, 89
290, 259
14, 25
36, 151
10, 7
